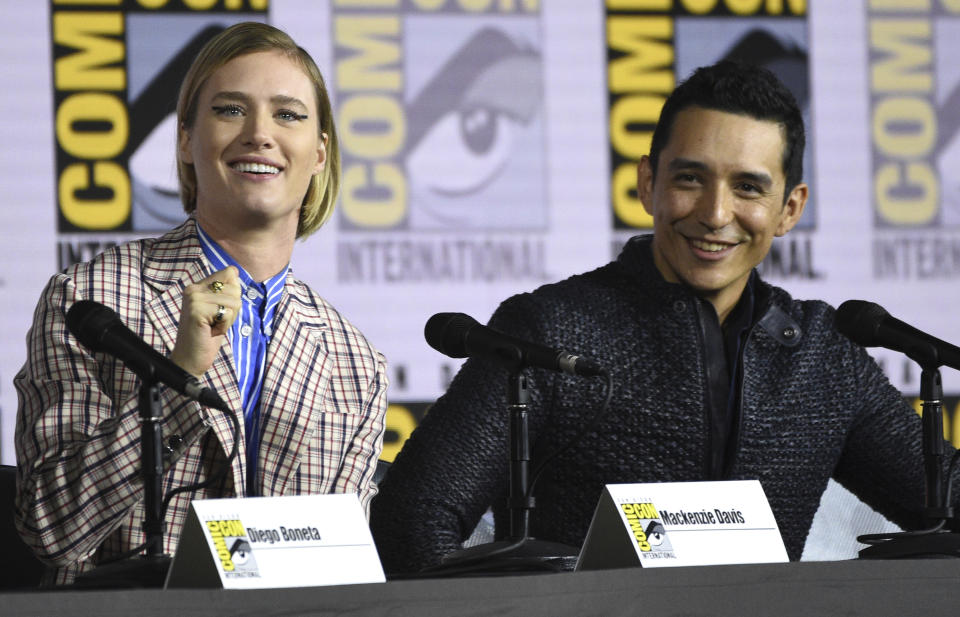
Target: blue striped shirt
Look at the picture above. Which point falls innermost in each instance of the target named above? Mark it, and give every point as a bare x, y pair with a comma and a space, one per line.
249, 335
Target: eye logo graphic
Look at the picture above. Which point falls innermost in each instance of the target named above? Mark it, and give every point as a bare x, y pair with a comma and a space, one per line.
241, 554
474, 147
156, 200
656, 535
161, 49
439, 117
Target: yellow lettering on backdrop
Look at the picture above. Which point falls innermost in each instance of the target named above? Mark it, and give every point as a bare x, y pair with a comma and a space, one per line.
98, 213
631, 110
643, 5
98, 109
374, 65
904, 127
374, 212
400, 421
920, 185
899, 5
384, 128
628, 207
699, 7
906, 66
647, 62
368, 3
88, 68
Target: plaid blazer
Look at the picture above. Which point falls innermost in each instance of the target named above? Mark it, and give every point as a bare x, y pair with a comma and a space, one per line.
78, 432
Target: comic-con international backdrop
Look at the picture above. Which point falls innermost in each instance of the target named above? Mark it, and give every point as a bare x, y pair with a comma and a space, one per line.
489, 147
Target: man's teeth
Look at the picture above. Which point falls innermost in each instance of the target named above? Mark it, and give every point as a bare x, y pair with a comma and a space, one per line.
256, 168
708, 246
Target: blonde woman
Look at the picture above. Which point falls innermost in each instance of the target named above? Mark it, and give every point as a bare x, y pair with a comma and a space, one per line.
258, 165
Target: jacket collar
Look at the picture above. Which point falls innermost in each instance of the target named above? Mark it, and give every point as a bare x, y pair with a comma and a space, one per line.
174, 261
295, 384
772, 303
300, 331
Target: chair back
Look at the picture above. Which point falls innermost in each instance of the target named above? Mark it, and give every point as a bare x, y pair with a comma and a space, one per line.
19, 567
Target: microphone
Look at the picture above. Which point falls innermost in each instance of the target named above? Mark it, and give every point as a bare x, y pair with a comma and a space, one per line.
99, 328
868, 324
459, 336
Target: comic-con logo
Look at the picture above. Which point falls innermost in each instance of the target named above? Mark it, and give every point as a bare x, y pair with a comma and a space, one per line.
440, 116
914, 126
915, 136
116, 77
650, 50
234, 553
647, 528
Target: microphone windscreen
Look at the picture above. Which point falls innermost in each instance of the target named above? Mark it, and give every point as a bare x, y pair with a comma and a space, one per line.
860, 321
447, 333
89, 320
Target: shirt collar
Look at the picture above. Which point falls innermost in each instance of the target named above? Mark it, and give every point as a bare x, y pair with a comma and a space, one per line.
741, 317
219, 259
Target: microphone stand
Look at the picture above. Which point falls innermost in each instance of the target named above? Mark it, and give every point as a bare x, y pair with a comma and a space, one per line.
151, 438
932, 542
520, 552
150, 569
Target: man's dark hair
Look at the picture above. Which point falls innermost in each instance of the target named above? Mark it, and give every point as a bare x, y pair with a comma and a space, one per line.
743, 89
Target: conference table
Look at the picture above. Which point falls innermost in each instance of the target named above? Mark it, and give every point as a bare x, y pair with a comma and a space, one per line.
927, 587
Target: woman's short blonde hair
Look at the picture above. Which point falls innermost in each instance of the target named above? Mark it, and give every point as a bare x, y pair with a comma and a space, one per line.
239, 40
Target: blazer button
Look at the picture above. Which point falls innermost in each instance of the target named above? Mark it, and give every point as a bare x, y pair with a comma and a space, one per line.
679, 306
789, 332
173, 442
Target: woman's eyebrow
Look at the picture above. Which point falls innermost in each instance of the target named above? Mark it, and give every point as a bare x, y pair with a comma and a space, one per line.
277, 99
231, 95
291, 101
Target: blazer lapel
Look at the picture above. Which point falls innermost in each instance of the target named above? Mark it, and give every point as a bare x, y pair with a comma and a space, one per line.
177, 261
296, 379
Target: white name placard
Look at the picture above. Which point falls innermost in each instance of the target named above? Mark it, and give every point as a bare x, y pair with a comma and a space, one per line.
264, 542
681, 524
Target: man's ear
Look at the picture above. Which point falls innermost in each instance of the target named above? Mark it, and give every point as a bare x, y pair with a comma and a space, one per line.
645, 183
183, 145
793, 208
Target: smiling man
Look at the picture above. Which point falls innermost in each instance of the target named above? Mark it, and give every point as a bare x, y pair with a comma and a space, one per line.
718, 193
716, 374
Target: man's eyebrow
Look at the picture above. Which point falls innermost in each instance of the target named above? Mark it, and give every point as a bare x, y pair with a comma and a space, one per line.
759, 178
756, 177
682, 163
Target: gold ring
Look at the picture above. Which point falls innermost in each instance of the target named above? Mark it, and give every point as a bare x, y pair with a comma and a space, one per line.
216, 286
221, 309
